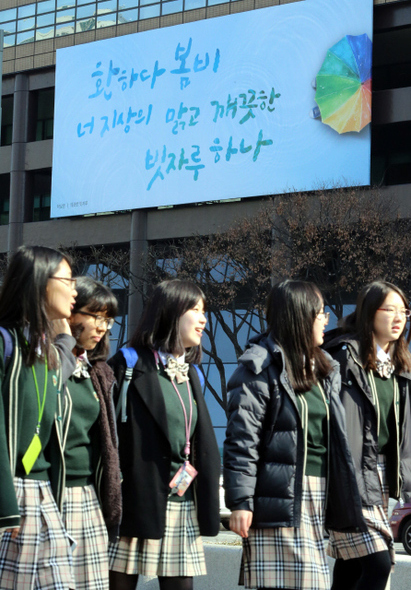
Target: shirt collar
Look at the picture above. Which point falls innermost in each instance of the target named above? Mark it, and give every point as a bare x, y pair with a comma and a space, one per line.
382, 355
164, 355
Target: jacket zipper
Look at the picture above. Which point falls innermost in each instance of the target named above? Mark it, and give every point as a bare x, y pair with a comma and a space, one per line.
327, 410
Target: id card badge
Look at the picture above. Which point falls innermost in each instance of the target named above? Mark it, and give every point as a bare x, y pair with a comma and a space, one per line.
183, 479
32, 453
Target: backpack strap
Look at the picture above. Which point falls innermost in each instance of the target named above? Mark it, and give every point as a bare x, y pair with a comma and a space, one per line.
200, 375
131, 358
8, 346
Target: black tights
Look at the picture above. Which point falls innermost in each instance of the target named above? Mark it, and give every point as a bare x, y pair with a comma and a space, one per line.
119, 581
363, 573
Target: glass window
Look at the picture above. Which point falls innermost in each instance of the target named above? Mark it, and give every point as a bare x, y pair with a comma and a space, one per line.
65, 16
25, 24
214, 2
6, 120
62, 4
9, 28
86, 11
4, 198
46, 6
127, 16
124, 4
171, 7
85, 25
150, 11
43, 107
191, 4
391, 154
41, 187
106, 6
45, 33
25, 11
66, 29
27, 37
6, 15
45, 20
106, 20
81, 2
9, 41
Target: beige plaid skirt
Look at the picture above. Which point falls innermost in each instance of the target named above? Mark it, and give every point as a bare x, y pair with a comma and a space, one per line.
178, 553
40, 556
84, 522
288, 557
377, 538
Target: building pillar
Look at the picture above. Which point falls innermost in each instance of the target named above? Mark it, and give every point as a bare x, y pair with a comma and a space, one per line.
138, 256
18, 156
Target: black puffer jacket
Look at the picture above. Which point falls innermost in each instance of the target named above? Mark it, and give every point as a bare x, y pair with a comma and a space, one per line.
264, 448
362, 423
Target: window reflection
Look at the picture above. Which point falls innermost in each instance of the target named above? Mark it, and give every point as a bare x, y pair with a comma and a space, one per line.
149, 11
26, 24
66, 29
6, 15
46, 6
25, 11
127, 16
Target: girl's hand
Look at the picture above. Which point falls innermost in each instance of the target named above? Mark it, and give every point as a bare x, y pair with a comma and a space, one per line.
60, 327
240, 522
14, 532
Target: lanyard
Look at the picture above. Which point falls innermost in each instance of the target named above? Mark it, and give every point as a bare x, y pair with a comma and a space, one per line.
40, 404
187, 422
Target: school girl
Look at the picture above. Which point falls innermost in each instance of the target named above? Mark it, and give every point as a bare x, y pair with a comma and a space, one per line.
372, 350
91, 505
167, 436
38, 288
285, 455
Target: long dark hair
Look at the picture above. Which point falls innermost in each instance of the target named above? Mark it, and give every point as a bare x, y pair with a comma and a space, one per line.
361, 324
23, 299
96, 297
160, 323
292, 308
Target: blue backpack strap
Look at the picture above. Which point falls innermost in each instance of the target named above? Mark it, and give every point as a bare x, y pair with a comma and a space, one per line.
131, 358
8, 346
200, 375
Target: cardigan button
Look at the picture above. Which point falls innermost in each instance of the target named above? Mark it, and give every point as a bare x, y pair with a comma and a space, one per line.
344, 347
349, 383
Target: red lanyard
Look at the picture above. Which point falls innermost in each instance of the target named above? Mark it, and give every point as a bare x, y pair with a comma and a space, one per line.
187, 423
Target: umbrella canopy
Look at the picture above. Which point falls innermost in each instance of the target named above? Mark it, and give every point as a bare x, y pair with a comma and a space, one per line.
344, 84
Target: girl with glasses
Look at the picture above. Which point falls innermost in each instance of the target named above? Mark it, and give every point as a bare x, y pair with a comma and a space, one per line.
286, 447
35, 549
372, 349
166, 438
92, 473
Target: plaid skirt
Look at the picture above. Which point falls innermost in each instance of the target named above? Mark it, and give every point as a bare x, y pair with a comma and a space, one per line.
288, 557
84, 522
178, 553
40, 556
377, 538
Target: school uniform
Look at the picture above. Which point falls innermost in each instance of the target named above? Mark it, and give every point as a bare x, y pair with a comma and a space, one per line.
40, 556
81, 511
161, 532
286, 460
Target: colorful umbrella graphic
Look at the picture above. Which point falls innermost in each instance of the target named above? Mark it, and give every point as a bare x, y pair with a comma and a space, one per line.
344, 84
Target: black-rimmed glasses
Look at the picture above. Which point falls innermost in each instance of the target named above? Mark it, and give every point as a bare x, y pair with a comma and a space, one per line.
69, 282
99, 320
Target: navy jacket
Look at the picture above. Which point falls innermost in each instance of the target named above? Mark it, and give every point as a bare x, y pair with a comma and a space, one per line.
264, 448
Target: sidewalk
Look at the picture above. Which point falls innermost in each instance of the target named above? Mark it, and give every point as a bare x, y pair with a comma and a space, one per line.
223, 556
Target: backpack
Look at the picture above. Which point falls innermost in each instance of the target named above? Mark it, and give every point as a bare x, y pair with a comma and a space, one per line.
131, 358
8, 346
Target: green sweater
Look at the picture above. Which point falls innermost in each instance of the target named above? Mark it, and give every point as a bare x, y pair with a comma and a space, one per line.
314, 416
176, 425
385, 403
83, 438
